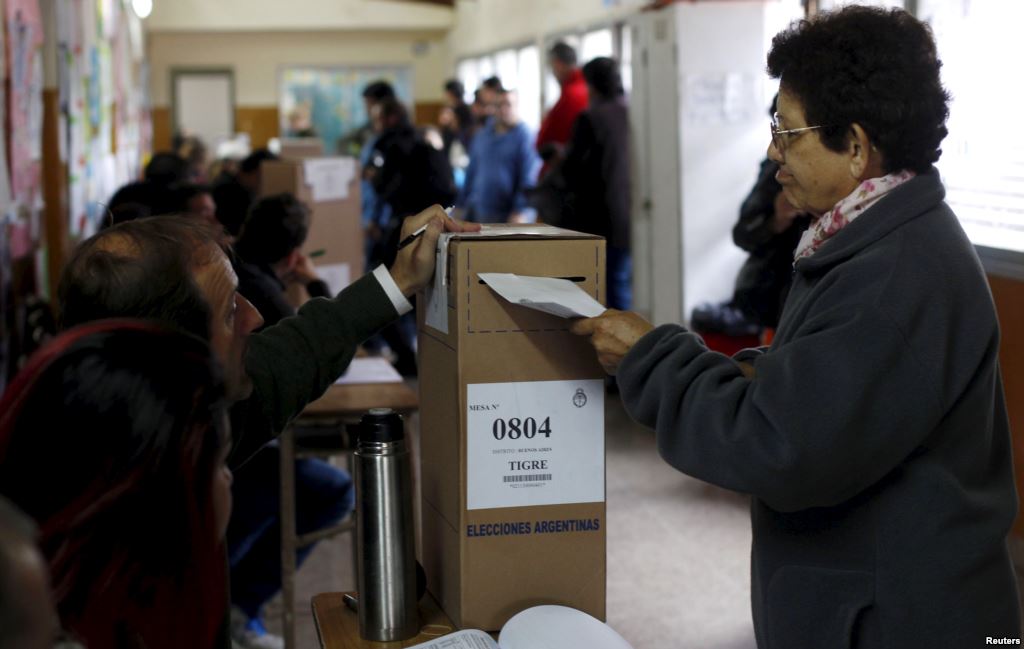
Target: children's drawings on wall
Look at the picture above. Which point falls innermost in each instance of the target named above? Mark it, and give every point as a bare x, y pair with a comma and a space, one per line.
25, 75
104, 90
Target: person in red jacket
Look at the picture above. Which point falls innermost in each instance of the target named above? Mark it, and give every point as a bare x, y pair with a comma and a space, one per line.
557, 125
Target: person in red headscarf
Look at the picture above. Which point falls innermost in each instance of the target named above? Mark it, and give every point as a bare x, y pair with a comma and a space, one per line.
114, 439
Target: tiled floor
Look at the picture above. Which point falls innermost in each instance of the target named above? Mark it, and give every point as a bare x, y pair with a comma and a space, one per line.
678, 554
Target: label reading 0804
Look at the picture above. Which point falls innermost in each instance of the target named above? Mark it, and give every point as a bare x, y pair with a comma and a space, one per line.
515, 428
534, 443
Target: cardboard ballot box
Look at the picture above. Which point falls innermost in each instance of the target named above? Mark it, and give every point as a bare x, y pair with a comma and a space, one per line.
330, 187
512, 421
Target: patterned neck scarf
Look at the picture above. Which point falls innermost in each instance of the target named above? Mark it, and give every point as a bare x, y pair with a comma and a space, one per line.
867, 194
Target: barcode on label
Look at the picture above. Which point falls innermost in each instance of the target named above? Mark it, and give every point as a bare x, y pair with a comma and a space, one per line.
537, 477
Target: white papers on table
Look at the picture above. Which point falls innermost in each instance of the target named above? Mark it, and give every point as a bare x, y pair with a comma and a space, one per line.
328, 178
369, 370
557, 627
466, 639
336, 276
553, 295
539, 627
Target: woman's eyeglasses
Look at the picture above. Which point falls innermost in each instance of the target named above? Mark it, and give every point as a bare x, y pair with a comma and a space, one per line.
780, 137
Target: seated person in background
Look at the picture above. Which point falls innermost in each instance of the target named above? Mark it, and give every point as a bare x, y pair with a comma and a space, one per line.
502, 166
769, 228
174, 270
193, 151
28, 619
269, 255
233, 195
137, 200
165, 169
125, 476
195, 200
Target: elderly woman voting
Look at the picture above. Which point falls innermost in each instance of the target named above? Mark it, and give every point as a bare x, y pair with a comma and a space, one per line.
871, 435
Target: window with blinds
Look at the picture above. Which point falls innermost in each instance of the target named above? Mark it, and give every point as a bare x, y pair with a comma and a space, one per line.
982, 162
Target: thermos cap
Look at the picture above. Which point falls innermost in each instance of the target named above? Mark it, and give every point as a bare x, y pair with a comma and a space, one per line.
381, 426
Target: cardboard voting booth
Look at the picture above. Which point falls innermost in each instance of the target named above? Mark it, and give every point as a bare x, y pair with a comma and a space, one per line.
512, 425
330, 187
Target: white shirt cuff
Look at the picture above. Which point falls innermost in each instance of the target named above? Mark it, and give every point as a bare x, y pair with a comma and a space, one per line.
387, 283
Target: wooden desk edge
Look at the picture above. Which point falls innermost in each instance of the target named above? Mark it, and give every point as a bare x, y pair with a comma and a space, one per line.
337, 626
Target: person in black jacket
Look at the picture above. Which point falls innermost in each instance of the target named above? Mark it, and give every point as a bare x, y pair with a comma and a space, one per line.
409, 174
407, 171
596, 173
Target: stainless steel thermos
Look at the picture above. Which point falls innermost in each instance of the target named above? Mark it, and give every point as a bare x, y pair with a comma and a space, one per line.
384, 529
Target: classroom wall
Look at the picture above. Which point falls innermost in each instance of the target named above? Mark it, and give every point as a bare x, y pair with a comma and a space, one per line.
481, 27
305, 15
257, 57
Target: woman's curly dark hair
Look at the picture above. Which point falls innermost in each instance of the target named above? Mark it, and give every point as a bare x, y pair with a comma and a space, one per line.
874, 67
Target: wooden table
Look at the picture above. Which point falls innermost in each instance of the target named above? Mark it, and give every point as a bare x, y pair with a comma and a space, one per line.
340, 405
337, 625
349, 402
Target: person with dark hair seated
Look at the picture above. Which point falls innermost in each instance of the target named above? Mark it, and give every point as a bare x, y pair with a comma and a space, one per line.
269, 255
138, 200
233, 195
125, 476
28, 619
174, 270
192, 199
165, 169
769, 228
872, 434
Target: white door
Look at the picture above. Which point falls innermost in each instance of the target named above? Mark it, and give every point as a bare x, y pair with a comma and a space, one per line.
204, 104
657, 243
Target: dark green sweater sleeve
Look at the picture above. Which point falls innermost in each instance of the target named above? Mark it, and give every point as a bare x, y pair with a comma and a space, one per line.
294, 362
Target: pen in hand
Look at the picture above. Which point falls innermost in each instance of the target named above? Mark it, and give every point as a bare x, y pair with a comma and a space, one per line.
419, 232
412, 237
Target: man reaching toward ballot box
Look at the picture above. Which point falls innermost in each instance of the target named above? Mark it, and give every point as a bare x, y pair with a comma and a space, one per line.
872, 435
174, 270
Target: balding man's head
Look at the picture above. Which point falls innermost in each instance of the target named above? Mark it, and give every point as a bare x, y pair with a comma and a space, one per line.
165, 268
141, 269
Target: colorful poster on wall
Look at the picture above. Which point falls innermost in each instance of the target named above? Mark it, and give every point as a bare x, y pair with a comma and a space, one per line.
5, 177
104, 91
25, 72
328, 101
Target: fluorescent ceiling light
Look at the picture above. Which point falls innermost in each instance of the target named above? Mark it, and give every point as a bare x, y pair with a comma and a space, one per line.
142, 8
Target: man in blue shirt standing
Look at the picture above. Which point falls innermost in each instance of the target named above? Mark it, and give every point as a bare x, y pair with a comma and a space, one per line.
502, 166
